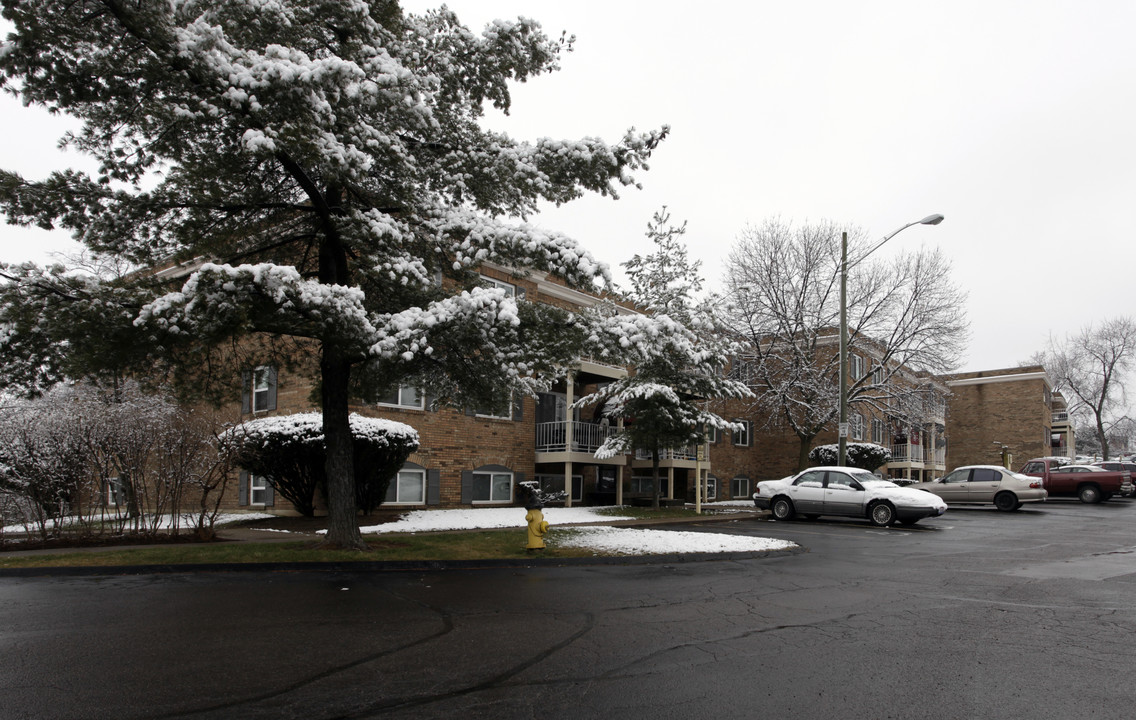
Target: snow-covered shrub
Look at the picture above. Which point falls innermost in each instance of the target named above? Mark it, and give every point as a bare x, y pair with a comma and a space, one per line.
867, 456
289, 452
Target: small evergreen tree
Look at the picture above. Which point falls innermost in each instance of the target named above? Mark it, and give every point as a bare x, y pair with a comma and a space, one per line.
678, 363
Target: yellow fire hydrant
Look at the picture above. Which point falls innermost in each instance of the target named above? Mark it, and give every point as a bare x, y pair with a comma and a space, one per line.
538, 527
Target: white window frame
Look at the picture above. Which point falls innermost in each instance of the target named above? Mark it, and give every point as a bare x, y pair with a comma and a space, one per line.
878, 375
257, 484
494, 480
115, 492
856, 426
395, 497
261, 386
739, 483
509, 288
508, 412
643, 485
856, 367
402, 401
737, 435
877, 431
711, 488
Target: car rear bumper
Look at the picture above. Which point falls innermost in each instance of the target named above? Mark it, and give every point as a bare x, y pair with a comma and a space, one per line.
761, 503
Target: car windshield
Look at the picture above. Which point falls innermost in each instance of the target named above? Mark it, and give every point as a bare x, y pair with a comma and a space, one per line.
867, 479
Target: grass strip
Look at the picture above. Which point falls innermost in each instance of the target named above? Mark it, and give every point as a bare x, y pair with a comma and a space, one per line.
472, 545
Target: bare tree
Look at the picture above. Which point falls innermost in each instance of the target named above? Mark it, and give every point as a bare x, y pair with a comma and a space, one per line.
905, 314
1090, 369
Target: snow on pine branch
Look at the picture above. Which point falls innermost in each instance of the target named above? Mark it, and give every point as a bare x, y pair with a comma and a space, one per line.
219, 299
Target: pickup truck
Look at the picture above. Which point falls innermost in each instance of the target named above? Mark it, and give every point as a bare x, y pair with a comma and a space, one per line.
1089, 486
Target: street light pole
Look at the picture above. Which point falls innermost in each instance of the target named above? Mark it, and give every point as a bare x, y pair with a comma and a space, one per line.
842, 429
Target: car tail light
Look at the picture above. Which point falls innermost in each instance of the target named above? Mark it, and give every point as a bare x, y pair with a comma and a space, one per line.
1035, 485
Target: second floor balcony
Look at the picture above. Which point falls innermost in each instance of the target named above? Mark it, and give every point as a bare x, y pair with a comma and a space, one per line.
586, 437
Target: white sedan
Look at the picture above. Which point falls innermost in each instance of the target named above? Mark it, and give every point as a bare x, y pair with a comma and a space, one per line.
846, 491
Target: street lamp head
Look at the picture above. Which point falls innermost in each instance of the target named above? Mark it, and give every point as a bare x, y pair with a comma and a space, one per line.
931, 220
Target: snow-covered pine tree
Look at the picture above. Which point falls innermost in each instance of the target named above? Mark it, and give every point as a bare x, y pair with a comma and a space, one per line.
677, 356
321, 167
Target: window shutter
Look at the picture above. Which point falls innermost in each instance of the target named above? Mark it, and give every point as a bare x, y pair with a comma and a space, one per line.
271, 388
467, 487
433, 487
246, 391
518, 478
520, 294
243, 489
269, 494
518, 407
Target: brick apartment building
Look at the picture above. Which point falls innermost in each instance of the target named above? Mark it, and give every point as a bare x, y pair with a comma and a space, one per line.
478, 458
1011, 408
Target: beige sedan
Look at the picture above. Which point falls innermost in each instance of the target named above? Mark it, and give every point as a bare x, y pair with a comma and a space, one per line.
984, 484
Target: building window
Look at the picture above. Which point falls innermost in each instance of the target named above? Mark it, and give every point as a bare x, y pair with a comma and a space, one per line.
642, 485
257, 490
712, 435
878, 431
258, 393
404, 396
739, 487
878, 375
492, 487
856, 426
116, 492
505, 413
741, 438
407, 488
711, 488
509, 288
855, 367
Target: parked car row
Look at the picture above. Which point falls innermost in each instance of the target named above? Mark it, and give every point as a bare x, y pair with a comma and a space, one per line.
852, 492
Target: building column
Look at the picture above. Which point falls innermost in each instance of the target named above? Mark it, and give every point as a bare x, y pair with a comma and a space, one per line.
569, 440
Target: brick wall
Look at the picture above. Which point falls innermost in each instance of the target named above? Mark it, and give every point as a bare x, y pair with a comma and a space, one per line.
1002, 406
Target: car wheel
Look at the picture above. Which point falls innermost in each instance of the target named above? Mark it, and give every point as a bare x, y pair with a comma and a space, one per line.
1089, 494
782, 509
882, 514
1006, 501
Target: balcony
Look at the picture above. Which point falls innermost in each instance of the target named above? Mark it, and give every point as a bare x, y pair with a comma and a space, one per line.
551, 437
906, 453
1061, 417
689, 452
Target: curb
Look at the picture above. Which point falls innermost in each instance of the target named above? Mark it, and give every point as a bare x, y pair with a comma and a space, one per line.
394, 566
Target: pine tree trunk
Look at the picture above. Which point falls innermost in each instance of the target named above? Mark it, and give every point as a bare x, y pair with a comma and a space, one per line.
342, 524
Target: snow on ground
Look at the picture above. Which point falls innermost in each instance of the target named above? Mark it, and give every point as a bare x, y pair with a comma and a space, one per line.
165, 522
628, 541
486, 518
632, 541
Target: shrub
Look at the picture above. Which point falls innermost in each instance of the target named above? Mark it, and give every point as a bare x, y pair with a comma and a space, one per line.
867, 456
289, 452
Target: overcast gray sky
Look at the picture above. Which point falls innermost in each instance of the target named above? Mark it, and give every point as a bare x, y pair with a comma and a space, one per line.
1013, 119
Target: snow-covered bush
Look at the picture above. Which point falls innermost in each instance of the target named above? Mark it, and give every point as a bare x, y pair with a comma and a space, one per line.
868, 456
289, 452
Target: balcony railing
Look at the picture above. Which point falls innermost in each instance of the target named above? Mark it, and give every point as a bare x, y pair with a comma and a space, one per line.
586, 437
1060, 417
907, 453
687, 453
